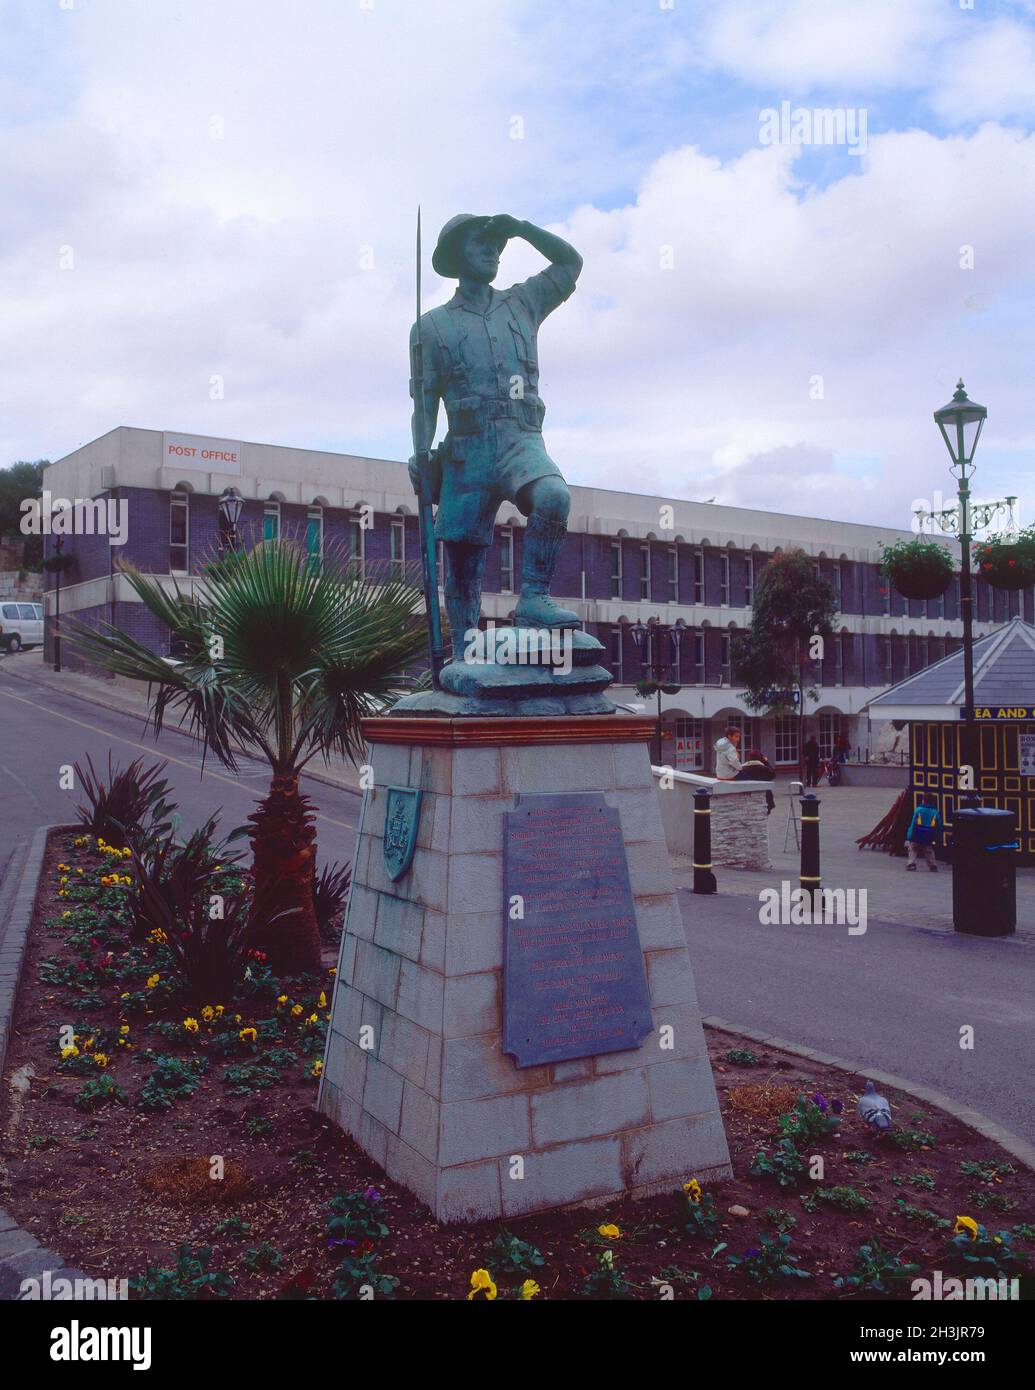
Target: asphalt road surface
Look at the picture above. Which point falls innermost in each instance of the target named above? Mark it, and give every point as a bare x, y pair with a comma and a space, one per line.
41, 731
894, 998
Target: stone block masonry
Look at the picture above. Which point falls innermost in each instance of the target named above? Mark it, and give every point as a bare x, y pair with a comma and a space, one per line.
415, 1069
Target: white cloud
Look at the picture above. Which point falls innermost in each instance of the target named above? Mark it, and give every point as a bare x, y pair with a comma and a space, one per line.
241, 256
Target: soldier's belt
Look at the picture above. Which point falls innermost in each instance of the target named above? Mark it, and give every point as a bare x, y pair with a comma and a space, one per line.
471, 414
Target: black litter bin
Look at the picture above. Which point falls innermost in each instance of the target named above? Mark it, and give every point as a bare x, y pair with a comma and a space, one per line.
984, 872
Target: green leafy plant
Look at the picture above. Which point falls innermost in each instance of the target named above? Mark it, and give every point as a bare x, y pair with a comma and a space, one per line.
859, 1156
740, 1057
910, 1140
102, 1090
697, 1210
987, 1170
356, 1272
994, 1201
128, 806
811, 1118
605, 1280
1007, 559
264, 1256
242, 1080
924, 1181
305, 652
843, 1198
782, 1220
769, 1261
921, 1216
171, 1079
356, 1216
785, 1164
189, 1278
918, 568
876, 1270
985, 1252
231, 1226
509, 1255
330, 894
257, 1125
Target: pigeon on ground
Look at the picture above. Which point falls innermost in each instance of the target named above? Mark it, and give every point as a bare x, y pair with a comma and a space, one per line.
874, 1108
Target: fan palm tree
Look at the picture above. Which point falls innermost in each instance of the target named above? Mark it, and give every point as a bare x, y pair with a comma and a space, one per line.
280, 657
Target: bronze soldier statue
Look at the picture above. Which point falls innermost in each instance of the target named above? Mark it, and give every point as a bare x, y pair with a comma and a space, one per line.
481, 359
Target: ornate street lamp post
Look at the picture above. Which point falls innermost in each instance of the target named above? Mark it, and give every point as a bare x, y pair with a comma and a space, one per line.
231, 504
961, 423
655, 682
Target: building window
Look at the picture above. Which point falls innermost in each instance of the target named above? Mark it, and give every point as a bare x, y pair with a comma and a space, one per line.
673, 574
885, 595
699, 656
749, 581
357, 540
397, 547
724, 579
887, 659
271, 522
727, 657
748, 731
698, 576
689, 751
645, 572
786, 739
616, 569
829, 733
617, 660
506, 560
179, 532
314, 535
839, 661
838, 589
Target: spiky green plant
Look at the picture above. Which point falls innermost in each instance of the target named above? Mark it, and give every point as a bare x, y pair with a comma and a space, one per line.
281, 658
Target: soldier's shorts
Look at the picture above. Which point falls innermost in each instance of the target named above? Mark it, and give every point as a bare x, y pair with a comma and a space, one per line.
484, 470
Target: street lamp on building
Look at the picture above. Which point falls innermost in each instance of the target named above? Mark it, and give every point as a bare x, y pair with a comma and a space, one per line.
231, 504
960, 423
654, 683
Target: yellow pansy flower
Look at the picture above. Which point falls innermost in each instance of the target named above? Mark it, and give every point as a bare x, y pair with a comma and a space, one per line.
208, 1013
296, 1009
191, 1025
528, 1291
101, 1058
692, 1190
69, 1052
609, 1232
247, 1035
481, 1283
316, 1069
123, 1028
152, 980
321, 1003
966, 1225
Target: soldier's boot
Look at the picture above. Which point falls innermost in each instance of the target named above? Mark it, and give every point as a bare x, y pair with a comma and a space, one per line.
543, 541
465, 565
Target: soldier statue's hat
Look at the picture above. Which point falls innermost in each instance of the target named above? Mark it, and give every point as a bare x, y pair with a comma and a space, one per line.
444, 257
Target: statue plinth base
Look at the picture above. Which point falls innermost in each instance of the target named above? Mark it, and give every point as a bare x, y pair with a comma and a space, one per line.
520, 671
415, 1068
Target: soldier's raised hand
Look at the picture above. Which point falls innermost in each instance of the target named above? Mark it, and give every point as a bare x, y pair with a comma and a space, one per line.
503, 226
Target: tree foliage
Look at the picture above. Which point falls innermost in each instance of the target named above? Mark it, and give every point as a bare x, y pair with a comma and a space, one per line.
792, 607
19, 482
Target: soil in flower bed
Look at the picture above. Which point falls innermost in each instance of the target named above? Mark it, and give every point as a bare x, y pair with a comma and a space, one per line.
120, 1187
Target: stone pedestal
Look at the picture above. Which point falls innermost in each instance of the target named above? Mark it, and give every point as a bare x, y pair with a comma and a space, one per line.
740, 817
414, 1068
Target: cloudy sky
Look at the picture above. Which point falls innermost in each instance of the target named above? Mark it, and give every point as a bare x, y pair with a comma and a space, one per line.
227, 188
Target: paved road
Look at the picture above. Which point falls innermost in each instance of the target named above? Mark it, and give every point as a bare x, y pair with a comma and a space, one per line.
894, 998
40, 731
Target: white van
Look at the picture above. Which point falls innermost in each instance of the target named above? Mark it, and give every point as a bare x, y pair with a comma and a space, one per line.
21, 625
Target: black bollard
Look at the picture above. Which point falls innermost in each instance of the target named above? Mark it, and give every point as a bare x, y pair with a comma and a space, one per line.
810, 877
704, 879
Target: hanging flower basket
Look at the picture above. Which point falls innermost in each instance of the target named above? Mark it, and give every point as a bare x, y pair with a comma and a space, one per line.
918, 569
1007, 561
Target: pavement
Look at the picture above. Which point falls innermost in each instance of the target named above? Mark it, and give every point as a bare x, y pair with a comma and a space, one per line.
893, 895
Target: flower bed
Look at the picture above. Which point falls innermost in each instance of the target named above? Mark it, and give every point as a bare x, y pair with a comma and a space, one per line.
178, 1147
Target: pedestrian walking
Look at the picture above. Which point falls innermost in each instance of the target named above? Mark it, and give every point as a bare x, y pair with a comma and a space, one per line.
922, 833
812, 762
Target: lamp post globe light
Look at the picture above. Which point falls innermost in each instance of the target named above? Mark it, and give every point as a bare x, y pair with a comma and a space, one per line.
231, 504
960, 424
